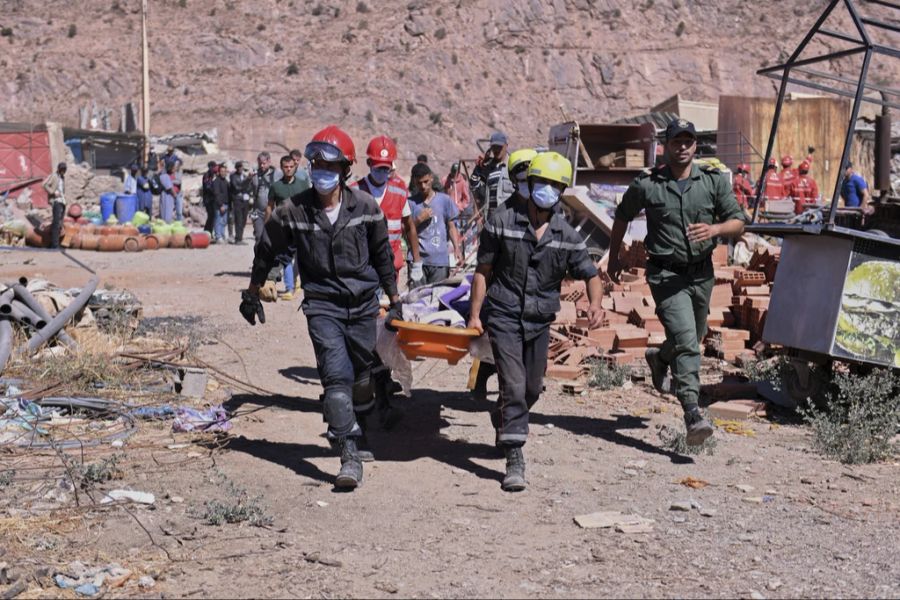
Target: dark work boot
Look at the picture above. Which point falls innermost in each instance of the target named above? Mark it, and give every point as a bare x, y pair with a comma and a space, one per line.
514, 481
659, 371
351, 472
698, 428
362, 442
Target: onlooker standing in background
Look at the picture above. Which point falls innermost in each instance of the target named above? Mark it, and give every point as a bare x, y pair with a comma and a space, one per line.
282, 190
261, 183
206, 192
179, 192
433, 214
219, 188
144, 191
456, 186
300, 172
55, 186
167, 195
854, 189
130, 184
240, 186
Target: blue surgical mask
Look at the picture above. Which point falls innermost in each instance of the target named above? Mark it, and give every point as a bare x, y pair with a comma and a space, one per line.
379, 176
522, 187
324, 180
545, 196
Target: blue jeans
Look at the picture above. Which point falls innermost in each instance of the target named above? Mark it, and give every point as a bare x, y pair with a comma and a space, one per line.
289, 276
219, 224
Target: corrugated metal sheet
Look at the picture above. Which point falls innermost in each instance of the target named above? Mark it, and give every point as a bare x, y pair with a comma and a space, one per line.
25, 154
818, 122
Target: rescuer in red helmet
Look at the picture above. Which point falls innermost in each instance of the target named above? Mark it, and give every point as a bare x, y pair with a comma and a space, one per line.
390, 193
341, 242
740, 184
805, 189
774, 186
789, 175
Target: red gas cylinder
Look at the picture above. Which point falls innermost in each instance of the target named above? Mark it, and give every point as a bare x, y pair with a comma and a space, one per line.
199, 240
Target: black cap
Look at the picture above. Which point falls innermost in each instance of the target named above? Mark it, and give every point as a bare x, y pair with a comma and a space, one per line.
61, 167
678, 126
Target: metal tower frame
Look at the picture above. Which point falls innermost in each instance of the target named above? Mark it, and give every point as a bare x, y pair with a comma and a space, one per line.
864, 45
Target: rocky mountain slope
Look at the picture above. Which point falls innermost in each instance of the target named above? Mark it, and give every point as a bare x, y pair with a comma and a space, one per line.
435, 75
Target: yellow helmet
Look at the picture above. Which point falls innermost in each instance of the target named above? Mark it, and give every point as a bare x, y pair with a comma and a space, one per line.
519, 157
552, 166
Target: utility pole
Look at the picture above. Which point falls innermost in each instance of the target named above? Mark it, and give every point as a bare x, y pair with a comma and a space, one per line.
145, 82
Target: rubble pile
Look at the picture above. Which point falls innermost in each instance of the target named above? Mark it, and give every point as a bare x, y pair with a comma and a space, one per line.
738, 307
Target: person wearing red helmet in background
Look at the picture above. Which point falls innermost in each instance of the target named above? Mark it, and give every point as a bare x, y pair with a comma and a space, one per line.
390, 193
789, 174
774, 186
740, 184
341, 242
805, 189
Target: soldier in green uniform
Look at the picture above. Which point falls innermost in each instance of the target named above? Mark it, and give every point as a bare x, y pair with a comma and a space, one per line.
687, 207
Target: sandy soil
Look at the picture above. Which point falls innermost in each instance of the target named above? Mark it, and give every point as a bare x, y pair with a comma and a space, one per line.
430, 519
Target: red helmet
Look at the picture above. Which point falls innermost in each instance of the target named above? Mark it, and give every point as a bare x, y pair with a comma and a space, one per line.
804, 166
382, 151
332, 144
744, 167
772, 162
787, 160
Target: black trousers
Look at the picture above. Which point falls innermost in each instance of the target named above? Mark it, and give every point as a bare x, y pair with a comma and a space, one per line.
521, 361
59, 211
241, 209
345, 351
211, 210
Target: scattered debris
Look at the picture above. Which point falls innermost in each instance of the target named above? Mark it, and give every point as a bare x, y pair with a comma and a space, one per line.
614, 519
130, 496
694, 483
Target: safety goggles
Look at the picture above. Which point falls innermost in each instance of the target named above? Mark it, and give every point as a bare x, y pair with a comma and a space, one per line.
323, 151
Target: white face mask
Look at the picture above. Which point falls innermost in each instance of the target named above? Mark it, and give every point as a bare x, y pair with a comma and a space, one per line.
545, 196
522, 188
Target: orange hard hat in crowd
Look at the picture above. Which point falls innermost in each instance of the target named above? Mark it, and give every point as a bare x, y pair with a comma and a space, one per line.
804, 166
744, 167
787, 160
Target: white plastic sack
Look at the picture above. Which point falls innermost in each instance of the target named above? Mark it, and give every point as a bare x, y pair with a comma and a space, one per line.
393, 358
480, 348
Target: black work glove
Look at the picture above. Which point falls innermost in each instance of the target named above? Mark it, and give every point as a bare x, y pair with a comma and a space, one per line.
251, 308
395, 313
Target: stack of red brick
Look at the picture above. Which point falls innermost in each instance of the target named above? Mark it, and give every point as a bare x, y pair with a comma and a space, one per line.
738, 307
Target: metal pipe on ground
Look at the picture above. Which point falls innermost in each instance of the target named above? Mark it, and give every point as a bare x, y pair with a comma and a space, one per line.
6, 340
23, 314
22, 293
64, 316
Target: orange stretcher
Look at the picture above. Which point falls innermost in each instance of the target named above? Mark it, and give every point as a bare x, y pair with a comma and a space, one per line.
418, 340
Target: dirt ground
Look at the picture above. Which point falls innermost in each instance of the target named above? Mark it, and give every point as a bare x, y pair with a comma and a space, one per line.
430, 519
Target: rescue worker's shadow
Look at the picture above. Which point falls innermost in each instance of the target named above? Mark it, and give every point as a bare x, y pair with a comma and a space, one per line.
419, 434
609, 430
291, 455
301, 374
